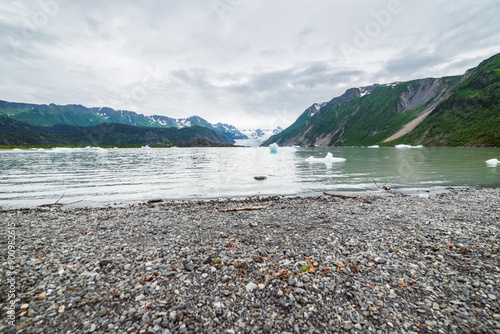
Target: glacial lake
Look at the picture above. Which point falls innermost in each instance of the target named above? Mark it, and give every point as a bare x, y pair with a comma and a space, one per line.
100, 177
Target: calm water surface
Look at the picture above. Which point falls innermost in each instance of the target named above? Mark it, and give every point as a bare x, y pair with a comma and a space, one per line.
30, 178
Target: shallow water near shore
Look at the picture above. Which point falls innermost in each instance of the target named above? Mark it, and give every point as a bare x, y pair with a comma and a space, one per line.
96, 177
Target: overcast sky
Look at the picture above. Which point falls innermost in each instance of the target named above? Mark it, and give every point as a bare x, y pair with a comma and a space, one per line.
250, 63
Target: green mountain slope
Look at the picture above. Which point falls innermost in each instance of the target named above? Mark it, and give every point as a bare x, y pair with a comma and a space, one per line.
77, 115
14, 133
464, 112
470, 116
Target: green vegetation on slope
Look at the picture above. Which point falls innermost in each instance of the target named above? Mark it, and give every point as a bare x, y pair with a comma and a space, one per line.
470, 117
77, 115
466, 111
370, 119
14, 134
352, 119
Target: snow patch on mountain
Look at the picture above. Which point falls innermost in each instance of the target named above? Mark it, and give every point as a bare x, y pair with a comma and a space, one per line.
315, 108
363, 91
183, 123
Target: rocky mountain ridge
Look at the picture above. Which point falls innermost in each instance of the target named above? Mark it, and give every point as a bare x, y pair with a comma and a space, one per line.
78, 115
378, 114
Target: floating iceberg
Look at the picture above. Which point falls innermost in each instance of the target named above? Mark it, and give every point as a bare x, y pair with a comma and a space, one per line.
93, 148
16, 149
145, 147
492, 162
61, 149
374, 146
408, 146
328, 159
274, 148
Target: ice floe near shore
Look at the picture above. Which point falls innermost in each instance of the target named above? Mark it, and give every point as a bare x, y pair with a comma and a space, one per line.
93, 148
407, 146
492, 162
61, 149
328, 159
274, 148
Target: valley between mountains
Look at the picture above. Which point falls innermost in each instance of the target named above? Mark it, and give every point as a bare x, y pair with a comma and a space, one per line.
462, 110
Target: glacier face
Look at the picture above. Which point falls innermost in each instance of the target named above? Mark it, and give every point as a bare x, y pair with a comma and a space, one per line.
257, 136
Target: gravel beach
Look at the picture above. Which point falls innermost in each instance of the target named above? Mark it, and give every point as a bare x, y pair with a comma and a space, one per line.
376, 264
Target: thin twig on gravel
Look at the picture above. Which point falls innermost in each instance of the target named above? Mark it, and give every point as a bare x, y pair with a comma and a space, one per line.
341, 196
248, 208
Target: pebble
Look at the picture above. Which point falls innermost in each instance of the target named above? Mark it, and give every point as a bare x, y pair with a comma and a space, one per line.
374, 264
251, 287
348, 325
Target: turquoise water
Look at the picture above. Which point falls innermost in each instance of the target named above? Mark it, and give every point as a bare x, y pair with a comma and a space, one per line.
97, 177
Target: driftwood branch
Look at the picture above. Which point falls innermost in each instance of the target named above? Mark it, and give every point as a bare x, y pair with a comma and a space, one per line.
248, 208
153, 201
56, 203
341, 196
383, 187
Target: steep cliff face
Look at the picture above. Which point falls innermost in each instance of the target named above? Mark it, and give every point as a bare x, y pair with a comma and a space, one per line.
469, 116
366, 115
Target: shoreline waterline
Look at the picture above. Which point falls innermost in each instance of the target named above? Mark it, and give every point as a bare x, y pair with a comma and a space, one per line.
62, 203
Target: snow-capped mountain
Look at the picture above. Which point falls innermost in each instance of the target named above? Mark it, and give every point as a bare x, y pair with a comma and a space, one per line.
277, 130
78, 115
226, 129
230, 129
261, 134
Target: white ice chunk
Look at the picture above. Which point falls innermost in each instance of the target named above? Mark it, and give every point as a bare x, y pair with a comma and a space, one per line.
61, 149
145, 147
492, 162
374, 146
328, 159
93, 148
274, 148
408, 146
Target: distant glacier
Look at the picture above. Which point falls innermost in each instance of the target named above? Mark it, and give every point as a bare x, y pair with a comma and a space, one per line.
256, 137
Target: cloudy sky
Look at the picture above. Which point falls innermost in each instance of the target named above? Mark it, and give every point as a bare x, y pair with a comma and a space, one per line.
251, 63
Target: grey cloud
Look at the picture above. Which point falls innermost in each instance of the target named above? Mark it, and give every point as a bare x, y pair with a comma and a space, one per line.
257, 59
408, 64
